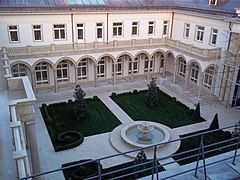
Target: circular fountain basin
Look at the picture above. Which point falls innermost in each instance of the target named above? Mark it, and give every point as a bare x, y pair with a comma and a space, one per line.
132, 135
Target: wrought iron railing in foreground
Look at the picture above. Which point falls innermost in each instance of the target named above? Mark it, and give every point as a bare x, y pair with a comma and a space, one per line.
203, 151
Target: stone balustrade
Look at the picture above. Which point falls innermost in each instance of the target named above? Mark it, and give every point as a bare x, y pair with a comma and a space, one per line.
45, 50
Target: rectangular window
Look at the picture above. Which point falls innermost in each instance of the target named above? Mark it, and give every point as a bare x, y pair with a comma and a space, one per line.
213, 39
186, 30
134, 28
59, 31
13, 33
151, 27
199, 33
165, 28
80, 31
117, 29
37, 32
99, 30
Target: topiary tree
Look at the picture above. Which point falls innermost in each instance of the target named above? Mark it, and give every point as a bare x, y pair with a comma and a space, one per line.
196, 113
81, 104
151, 96
215, 123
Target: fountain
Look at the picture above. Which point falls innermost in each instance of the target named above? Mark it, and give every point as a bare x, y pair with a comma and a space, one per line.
143, 134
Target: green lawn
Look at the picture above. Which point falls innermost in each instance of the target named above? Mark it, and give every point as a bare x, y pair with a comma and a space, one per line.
192, 143
99, 119
168, 111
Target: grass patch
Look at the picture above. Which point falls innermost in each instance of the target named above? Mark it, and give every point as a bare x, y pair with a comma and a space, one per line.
68, 172
192, 143
167, 111
98, 120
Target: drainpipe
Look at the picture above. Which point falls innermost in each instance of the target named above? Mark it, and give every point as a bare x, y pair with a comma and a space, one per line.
230, 36
107, 26
72, 28
172, 25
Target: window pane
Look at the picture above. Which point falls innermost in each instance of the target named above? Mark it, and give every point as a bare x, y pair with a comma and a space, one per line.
80, 34
37, 35
14, 36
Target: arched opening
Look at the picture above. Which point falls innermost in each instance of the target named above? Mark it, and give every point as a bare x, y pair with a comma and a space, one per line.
65, 71
85, 66
169, 62
181, 66
194, 72
43, 72
158, 61
208, 77
122, 61
19, 70
105, 67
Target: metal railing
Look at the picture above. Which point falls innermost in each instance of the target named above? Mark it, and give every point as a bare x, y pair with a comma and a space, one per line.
203, 151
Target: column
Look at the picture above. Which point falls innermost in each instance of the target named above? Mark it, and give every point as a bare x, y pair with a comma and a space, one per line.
174, 73
165, 68
76, 76
148, 72
33, 82
55, 81
131, 72
32, 144
96, 75
186, 80
114, 73
200, 84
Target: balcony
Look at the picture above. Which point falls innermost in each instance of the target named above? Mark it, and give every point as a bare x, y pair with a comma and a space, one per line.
63, 49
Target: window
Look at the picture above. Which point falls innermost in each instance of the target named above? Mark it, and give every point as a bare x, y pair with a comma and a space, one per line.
151, 26
182, 67
117, 29
59, 31
37, 32
62, 71
213, 39
146, 64
165, 28
80, 29
186, 30
82, 69
99, 30
199, 33
101, 68
208, 77
194, 72
13, 33
134, 28
19, 70
41, 71
119, 66
135, 66
161, 61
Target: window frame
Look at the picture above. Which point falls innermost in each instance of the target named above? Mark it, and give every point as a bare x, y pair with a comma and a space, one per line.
194, 72
117, 28
185, 30
201, 32
41, 32
98, 27
182, 66
211, 36
9, 33
167, 28
80, 68
19, 73
41, 70
208, 78
135, 26
61, 69
153, 27
99, 74
65, 32
83, 31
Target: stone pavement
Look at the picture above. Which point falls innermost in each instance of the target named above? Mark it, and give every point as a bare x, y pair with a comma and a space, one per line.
116, 110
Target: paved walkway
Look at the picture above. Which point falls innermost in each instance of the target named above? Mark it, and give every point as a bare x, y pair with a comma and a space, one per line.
116, 110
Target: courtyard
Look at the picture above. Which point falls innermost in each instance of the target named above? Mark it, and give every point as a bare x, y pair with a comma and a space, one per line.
97, 146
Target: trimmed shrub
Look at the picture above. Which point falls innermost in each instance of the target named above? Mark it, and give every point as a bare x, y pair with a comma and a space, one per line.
113, 94
70, 101
174, 98
44, 105
49, 120
215, 123
196, 114
227, 134
135, 91
68, 140
95, 97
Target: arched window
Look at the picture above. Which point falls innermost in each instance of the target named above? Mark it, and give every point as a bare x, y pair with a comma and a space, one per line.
82, 69
41, 71
62, 71
119, 67
208, 77
146, 64
182, 67
19, 70
101, 67
194, 72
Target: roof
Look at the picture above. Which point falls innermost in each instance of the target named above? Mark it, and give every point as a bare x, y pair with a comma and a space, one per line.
224, 6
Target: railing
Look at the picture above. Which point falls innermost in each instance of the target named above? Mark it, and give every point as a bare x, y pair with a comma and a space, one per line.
201, 156
30, 51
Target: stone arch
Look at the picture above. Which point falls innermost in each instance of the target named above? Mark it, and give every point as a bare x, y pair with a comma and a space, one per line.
210, 65
42, 60
21, 62
28, 69
158, 50
176, 60
142, 52
124, 53
170, 52
106, 55
194, 61
65, 58
86, 57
